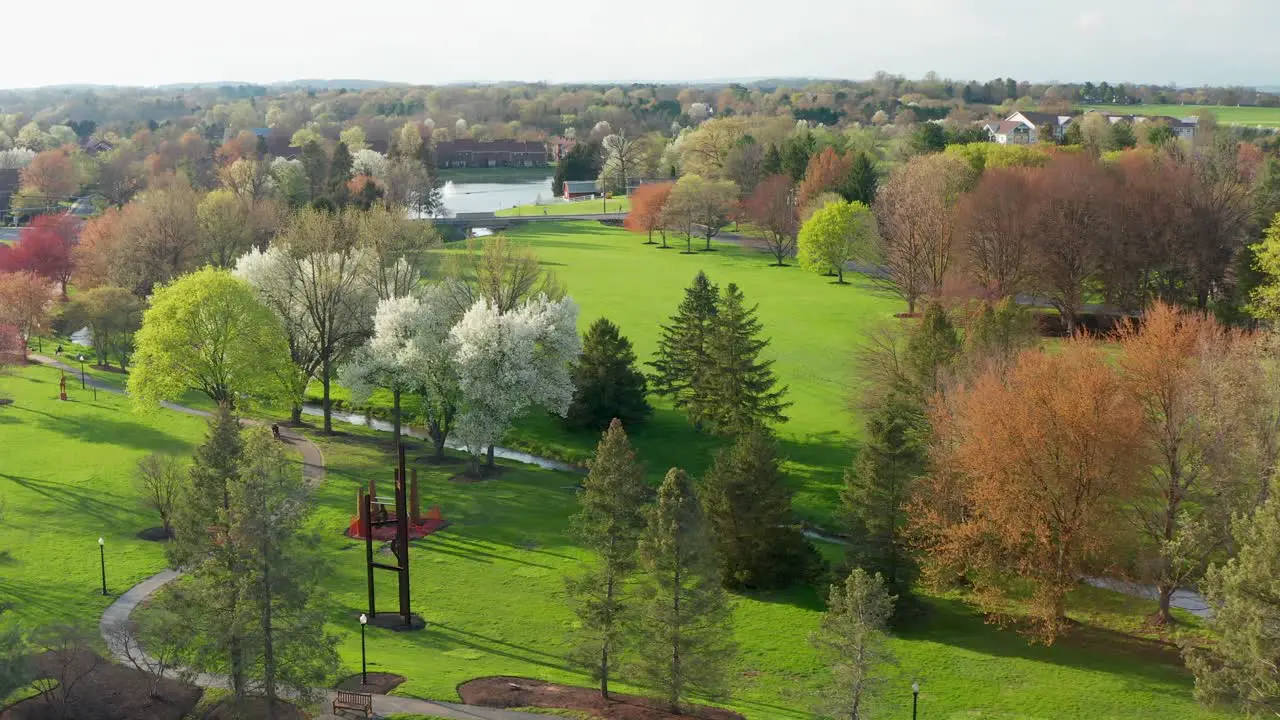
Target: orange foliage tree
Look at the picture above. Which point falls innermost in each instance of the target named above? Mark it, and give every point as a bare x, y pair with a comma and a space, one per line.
1030, 468
826, 173
52, 175
26, 299
1195, 381
647, 203
995, 231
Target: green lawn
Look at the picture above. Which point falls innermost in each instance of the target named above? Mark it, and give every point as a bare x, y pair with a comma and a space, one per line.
815, 327
1227, 114
65, 479
813, 324
491, 590
575, 207
491, 586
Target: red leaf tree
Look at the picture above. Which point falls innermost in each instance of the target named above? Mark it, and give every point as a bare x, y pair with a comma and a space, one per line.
827, 172
772, 207
647, 203
44, 248
25, 303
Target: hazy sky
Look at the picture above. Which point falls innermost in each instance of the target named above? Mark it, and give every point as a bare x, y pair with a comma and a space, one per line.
148, 42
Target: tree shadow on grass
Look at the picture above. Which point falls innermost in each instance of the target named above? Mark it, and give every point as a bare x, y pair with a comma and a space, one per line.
107, 431
490, 644
950, 621
66, 496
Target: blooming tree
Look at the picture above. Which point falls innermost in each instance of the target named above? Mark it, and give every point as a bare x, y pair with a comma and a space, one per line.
390, 359
509, 362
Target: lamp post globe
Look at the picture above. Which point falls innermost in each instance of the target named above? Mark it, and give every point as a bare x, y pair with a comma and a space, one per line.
915, 698
102, 558
80, 357
364, 667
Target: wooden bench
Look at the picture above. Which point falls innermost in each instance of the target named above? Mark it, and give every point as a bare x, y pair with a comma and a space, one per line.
354, 701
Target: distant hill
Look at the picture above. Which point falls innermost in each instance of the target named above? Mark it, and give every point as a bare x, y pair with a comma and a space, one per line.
318, 84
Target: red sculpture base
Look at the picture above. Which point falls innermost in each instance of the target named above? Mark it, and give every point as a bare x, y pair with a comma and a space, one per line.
386, 533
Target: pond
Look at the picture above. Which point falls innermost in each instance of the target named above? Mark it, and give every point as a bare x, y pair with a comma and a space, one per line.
470, 197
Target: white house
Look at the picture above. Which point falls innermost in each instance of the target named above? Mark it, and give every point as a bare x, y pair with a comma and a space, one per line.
1183, 128
1023, 127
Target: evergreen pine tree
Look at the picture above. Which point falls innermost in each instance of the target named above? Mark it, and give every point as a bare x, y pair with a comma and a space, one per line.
740, 387
682, 365
339, 174
610, 523
1241, 668
879, 485
748, 504
606, 383
932, 348
683, 630
859, 184
279, 586
210, 606
853, 638
772, 162
316, 165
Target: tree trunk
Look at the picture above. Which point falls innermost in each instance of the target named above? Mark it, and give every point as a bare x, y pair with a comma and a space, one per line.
1164, 616
268, 648
437, 438
840, 274
604, 646
395, 417
328, 409
295, 414
490, 464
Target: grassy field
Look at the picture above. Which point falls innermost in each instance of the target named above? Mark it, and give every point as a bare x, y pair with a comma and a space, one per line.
491, 590
491, 585
576, 207
1227, 114
65, 479
815, 327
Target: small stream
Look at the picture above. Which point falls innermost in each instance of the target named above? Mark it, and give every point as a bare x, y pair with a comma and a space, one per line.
405, 429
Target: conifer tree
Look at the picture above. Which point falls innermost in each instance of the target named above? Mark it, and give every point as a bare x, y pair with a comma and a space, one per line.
279, 586
859, 184
606, 383
932, 349
211, 608
682, 365
741, 390
339, 173
610, 523
1241, 668
748, 504
683, 631
852, 636
879, 485
772, 162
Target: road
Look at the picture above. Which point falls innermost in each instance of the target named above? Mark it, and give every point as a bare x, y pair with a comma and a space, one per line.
81, 208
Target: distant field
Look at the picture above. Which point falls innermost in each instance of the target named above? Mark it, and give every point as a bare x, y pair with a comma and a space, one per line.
577, 207
1231, 115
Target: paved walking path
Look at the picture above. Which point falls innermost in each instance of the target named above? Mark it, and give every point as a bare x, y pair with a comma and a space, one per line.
116, 629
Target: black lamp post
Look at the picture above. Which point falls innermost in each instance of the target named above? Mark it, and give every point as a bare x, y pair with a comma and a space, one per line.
102, 555
364, 667
915, 698
80, 357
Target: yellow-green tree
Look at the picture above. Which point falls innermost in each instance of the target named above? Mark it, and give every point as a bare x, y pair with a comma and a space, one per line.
208, 332
836, 233
1266, 297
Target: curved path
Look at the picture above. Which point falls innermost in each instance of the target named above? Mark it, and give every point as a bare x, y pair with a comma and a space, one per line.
116, 630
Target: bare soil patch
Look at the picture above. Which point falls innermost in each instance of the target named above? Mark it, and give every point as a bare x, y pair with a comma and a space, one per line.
253, 709
110, 692
380, 683
509, 692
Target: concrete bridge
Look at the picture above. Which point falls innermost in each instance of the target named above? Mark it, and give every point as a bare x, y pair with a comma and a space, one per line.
467, 221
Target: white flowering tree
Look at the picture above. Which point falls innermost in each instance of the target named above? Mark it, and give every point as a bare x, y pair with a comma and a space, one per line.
369, 162
438, 379
510, 362
267, 273
391, 359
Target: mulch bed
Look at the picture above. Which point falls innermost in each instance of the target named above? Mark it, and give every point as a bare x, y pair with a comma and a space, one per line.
252, 709
154, 534
508, 692
380, 683
110, 692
